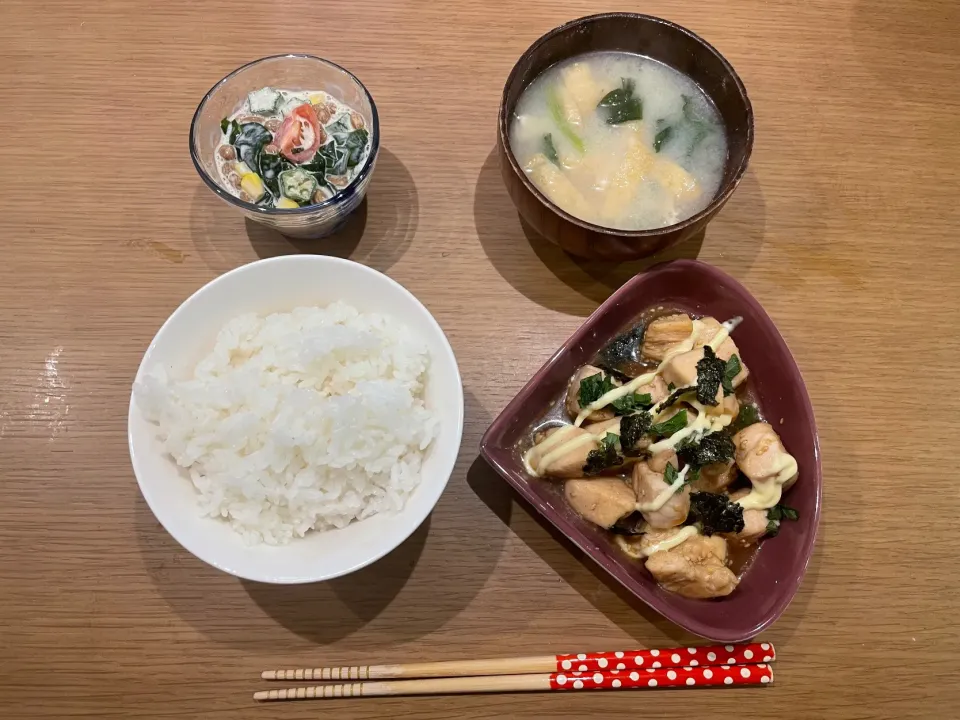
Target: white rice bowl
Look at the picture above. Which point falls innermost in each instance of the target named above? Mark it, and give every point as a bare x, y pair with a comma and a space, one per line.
346, 422
298, 421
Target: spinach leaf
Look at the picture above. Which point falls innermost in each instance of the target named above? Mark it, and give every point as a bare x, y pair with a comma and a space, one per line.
670, 474
606, 456
231, 129
550, 150
250, 142
556, 112
621, 105
669, 427
789, 513
710, 371
700, 126
729, 373
592, 388
689, 113
631, 403
632, 429
776, 515
352, 144
335, 158
662, 137
340, 125
748, 415
270, 168
317, 166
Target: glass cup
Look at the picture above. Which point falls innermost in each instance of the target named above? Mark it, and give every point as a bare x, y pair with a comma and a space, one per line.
287, 72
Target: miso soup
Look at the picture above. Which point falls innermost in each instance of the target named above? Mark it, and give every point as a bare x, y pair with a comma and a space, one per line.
620, 140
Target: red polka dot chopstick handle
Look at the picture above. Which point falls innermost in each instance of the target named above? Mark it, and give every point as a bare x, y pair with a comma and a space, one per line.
703, 656
698, 676
741, 654
647, 679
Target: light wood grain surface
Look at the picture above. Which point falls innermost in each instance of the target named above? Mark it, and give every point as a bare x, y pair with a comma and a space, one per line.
844, 228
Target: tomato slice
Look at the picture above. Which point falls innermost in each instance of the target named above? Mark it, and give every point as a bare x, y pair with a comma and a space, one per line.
299, 134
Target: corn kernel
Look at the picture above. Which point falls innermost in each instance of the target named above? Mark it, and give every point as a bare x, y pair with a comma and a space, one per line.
252, 185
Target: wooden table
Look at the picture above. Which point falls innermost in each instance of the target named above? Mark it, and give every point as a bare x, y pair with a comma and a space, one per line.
844, 228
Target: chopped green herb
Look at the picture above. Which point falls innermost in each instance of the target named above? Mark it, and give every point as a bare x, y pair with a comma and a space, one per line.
748, 415
662, 137
731, 370
716, 513
670, 475
594, 387
669, 427
671, 387
549, 149
710, 370
631, 403
632, 429
712, 448
776, 515
604, 457
622, 105
553, 103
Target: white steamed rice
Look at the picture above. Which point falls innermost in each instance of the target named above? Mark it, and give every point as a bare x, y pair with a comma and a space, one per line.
298, 421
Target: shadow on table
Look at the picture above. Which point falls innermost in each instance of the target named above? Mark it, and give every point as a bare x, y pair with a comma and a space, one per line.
377, 234
411, 592
568, 561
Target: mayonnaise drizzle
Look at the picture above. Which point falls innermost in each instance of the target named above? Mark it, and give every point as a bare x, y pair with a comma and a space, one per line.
671, 542
725, 329
664, 496
563, 449
767, 493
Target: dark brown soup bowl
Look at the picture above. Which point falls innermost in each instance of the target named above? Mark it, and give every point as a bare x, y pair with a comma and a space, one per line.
770, 582
655, 38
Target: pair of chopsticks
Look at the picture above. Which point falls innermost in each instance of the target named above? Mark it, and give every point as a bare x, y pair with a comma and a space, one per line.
710, 666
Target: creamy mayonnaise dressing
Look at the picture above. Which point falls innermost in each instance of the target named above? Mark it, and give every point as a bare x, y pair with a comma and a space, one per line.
681, 537
767, 493
664, 496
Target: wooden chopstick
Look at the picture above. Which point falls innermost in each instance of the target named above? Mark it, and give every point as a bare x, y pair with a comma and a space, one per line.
686, 677
713, 655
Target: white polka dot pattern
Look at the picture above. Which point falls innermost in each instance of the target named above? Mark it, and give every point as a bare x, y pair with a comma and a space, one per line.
746, 653
685, 676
